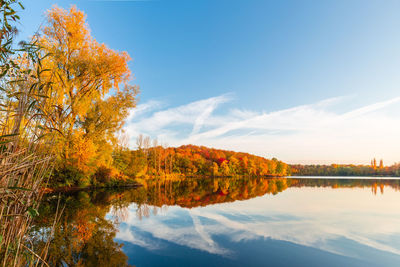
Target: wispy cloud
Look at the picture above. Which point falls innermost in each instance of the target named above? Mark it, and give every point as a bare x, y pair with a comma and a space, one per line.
370, 108
143, 109
188, 234
157, 124
307, 133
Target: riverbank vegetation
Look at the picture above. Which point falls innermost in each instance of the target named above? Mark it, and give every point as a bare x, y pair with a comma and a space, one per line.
172, 162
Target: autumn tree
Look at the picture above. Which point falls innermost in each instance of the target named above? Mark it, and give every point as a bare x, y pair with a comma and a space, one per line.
90, 95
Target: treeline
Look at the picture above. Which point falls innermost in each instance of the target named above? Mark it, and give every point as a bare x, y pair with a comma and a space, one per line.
346, 170
374, 184
190, 160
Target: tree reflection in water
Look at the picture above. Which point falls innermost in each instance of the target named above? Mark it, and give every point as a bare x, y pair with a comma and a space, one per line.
84, 236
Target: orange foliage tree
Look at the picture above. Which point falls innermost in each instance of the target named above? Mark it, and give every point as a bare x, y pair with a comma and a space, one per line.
90, 95
190, 160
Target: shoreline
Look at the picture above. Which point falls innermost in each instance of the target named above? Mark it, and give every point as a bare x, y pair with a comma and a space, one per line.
66, 189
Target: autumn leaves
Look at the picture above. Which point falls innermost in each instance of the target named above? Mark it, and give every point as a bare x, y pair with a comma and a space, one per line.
90, 94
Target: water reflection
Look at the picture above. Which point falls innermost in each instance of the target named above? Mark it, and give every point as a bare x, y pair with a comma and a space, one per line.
199, 222
83, 235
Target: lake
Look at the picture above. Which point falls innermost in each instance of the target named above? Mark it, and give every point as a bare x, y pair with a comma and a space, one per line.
227, 222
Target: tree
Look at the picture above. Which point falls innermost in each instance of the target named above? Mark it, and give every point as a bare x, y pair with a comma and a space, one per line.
224, 168
215, 169
90, 95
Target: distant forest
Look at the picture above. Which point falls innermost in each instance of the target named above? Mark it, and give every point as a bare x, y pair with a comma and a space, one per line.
190, 160
346, 170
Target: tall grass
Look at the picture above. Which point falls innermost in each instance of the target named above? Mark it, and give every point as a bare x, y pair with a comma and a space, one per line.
25, 143
25, 163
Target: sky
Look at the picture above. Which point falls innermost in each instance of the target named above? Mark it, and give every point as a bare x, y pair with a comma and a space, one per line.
304, 81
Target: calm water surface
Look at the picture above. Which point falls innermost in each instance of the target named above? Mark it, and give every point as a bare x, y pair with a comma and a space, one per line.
229, 222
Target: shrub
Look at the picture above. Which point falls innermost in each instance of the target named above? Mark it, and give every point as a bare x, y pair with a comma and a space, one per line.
85, 182
67, 176
102, 176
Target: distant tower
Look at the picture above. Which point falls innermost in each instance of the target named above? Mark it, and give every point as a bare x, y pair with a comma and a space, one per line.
374, 163
381, 164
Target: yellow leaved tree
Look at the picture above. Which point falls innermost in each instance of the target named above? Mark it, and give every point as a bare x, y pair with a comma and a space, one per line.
90, 95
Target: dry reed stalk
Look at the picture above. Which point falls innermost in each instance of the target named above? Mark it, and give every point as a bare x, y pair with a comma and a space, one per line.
22, 174
25, 164
25, 151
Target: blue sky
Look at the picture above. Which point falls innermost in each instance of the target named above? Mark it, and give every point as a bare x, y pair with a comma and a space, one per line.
304, 81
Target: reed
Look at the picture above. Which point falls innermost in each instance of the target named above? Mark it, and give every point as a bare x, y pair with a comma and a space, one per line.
25, 143
25, 163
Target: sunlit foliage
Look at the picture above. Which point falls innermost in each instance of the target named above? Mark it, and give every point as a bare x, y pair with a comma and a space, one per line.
90, 95
190, 160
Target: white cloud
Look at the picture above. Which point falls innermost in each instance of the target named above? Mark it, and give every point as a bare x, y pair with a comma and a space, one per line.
192, 235
143, 109
193, 114
136, 239
302, 134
